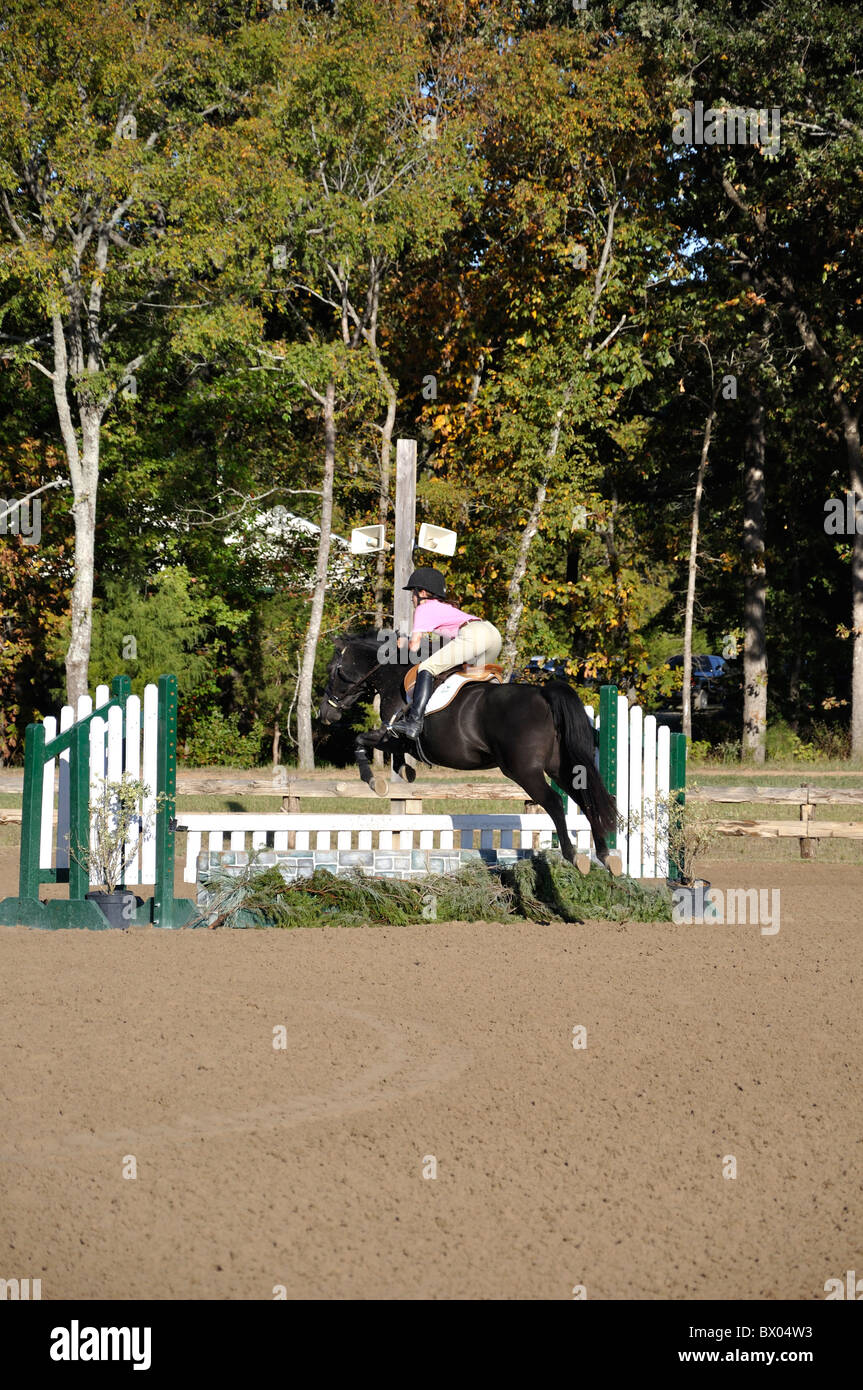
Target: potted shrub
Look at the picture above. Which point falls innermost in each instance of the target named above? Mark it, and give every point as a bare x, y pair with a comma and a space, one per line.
114, 813
692, 833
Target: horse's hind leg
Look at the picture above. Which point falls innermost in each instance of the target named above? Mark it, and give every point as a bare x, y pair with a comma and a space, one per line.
534, 783
609, 858
558, 767
402, 768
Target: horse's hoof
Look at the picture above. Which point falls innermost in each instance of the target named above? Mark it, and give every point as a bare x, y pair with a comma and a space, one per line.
614, 863
380, 784
409, 773
582, 863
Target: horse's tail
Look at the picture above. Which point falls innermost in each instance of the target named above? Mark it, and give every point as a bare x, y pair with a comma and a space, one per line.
577, 748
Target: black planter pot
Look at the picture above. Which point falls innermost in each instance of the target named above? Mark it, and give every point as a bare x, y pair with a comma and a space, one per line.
111, 906
689, 895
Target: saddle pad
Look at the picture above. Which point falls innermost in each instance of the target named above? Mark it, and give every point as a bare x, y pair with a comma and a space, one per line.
447, 691
491, 672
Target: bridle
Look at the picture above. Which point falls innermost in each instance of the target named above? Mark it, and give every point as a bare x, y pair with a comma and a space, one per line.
347, 698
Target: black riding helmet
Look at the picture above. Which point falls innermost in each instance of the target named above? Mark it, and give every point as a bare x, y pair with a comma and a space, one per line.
427, 578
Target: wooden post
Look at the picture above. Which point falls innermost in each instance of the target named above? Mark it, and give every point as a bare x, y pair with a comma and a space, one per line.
406, 515
406, 518
807, 845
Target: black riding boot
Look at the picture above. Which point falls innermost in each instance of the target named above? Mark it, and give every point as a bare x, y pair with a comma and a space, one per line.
411, 723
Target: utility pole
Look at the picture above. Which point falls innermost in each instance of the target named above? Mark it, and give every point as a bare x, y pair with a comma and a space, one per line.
406, 515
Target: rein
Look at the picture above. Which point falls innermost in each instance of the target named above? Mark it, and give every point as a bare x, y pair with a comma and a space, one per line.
354, 688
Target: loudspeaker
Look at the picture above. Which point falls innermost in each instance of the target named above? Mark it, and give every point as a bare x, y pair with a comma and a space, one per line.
366, 540
437, 538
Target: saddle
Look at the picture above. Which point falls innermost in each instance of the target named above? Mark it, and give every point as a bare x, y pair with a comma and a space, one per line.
450, 683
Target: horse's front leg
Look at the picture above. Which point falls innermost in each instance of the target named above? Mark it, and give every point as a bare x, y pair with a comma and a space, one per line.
363, 761
378, 781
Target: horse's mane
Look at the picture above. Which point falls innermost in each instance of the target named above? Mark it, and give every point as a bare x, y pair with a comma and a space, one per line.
368, 640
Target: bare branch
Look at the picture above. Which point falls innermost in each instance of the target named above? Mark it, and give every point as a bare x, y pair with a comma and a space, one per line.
211, 518
10, 217
13, 506
611, 336
32, 362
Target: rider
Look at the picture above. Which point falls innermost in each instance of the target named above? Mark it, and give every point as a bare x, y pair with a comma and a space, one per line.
472, 640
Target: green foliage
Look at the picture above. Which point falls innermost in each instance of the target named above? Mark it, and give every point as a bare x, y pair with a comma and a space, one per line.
113, 815
367, 718
784, 745
405, 258
692, 831
542, 889
727, 752
547, 889
830, 741
176, 627
661, 646
215, 740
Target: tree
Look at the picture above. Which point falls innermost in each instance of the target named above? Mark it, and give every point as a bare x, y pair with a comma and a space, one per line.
97, 101
565, 246
344, 192
787, 219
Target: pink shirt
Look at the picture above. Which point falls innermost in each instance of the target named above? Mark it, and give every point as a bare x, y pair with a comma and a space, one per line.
434, 616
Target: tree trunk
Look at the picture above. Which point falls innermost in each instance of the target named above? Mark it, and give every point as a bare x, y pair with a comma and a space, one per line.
369, 334
514, 600
277, 735
754, 592
83, 464
796, 671
389, 390
81, 608
515, 603
384, 512
306, 754
693, 569
851, 430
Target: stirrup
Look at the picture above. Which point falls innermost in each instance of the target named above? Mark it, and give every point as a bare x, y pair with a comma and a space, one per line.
406, 726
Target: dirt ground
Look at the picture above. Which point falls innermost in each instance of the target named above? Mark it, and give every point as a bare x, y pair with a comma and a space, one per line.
302, 1166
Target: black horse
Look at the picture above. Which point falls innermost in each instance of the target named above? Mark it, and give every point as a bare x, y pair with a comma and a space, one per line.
524, 730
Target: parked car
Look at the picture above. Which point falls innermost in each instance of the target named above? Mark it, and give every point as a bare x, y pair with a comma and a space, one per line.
546, 668
708, 673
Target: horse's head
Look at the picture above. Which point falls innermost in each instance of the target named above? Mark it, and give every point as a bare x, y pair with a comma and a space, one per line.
354, 659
